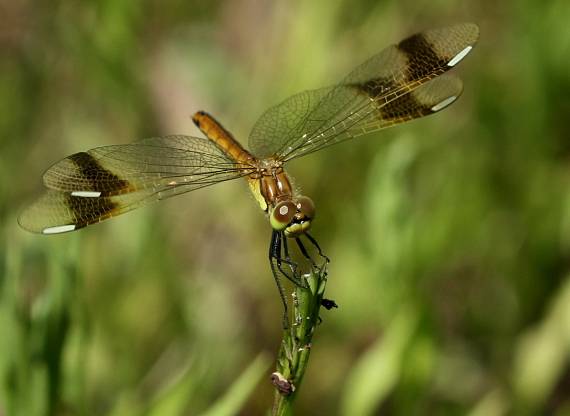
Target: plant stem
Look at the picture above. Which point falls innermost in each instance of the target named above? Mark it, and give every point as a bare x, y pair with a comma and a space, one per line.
296, 343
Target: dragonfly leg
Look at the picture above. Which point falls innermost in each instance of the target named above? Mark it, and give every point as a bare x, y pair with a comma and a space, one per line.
305, 252
287, 260
326, 303
274, 254
312, 240
280, 255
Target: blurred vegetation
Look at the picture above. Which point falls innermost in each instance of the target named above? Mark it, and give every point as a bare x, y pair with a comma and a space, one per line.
449, 236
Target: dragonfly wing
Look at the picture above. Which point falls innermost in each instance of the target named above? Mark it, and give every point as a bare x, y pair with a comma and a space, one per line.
396, 85
89, 187
364, 116
272, 131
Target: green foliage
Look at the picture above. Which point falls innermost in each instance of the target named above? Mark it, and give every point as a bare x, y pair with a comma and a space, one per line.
448, 236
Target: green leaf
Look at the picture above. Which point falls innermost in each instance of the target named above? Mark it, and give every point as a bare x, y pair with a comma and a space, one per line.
234, 399
378, 371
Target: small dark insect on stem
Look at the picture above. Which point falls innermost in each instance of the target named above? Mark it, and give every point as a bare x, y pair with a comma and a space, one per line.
328, 304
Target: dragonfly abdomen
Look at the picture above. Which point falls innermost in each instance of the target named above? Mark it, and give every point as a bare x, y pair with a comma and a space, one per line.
222, 138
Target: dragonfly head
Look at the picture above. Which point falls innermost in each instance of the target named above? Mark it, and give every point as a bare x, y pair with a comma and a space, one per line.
293, 216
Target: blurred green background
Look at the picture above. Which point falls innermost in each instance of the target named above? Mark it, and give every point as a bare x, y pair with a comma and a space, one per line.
449, 236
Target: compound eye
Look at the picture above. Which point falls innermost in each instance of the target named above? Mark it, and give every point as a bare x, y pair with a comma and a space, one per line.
306, 206
282, 215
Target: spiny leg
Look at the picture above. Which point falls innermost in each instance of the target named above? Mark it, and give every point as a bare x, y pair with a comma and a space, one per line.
280, 260
274, 254
312, 240
305, 252
298, 281
326, 303
278, 243
287, 259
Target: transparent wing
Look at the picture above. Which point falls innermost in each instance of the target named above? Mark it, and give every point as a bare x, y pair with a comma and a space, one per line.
89, 187
401, 83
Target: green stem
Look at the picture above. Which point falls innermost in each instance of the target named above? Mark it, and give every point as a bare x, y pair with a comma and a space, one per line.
296, 343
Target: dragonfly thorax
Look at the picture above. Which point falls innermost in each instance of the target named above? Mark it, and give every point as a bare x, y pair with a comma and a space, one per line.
270, 185
275, 187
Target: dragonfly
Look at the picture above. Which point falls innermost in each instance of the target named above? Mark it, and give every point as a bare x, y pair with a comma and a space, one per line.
403, 82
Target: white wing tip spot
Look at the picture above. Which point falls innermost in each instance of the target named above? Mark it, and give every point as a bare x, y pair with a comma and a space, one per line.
444, 103
59, 229
86, 194
455, 60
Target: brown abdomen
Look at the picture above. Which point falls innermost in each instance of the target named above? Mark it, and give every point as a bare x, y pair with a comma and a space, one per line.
214, 131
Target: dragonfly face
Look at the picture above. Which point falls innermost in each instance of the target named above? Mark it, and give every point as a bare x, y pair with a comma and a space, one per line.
401, 83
